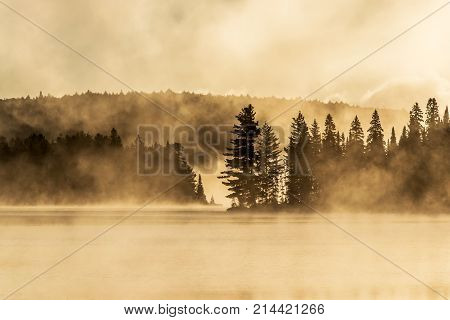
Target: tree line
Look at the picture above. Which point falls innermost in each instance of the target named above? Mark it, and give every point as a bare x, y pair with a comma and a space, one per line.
329, 169
79, 168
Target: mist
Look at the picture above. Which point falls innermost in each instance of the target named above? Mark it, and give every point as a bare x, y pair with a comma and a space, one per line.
262, 48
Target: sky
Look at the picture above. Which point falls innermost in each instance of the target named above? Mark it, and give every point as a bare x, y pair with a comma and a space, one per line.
282, 48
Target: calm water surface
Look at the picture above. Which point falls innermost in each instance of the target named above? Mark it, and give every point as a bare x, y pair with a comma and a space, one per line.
214, 255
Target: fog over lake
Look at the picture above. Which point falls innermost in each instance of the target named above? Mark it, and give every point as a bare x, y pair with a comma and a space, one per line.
210, 254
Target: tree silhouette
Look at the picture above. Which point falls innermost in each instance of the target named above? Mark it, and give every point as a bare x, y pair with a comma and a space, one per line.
415, 126
392, 143
268, 166
200, 192
115, 139
355, 146
375, 144
432, 120
445, 119
186, 186
240, 159
403, 138
330, 147
299, 183
315, 141
393, 139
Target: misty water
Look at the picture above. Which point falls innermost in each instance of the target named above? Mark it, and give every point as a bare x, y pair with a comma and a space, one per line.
200, 254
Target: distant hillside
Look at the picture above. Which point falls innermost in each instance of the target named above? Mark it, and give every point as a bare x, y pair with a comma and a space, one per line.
95, 112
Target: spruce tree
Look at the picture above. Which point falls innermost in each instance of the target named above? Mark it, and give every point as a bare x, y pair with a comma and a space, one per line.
375, 143
392, 144
342, 144
315, 148
182, 168
415, 126
115, 139
315, 141
268, 166
212, 200
432, 120
355, 146
330, 146
393, 140
200, 192
299, 183
445, 119
240, 159
403, 138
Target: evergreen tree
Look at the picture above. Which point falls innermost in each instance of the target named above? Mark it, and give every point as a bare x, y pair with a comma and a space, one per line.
391, 144
393, 140
299, 183
355, 146
432, 120
445, 119
268, 166
212, 200
182, 168
330, 145
315, 141
240, 163
200, 192
375, 143
403, 138
115, 139
342, 144
415, 126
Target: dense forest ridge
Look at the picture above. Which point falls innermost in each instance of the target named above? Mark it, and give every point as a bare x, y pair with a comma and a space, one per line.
73, 166
99, 112
79, 168
327, 170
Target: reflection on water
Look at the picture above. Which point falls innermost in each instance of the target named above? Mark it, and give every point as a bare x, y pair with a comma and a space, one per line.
213, 255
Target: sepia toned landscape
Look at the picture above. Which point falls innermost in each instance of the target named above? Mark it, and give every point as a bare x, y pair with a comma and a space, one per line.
218, 151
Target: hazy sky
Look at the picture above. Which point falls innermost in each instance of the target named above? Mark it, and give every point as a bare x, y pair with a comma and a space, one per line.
260, 47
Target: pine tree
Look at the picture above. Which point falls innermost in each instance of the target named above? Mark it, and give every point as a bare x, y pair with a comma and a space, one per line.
298, 181
268, 166
342, 144
115, 139
240, 163
415, 126
445, 119
375, 143
212, 200
403, 138
432, 120
200, 192
182, 168
315, 141
315, 148
355, 146
330, 146
392, 144
393, 140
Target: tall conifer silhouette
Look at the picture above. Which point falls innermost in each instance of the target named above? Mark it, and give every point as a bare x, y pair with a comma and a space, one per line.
200, 191
240, 159
299, 183
375, 139
268, 166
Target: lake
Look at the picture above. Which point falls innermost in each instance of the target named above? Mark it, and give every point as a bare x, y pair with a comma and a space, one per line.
209, 254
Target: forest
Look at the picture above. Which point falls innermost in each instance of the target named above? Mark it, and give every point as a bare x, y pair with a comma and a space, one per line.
55, 151
331, 170
79, 168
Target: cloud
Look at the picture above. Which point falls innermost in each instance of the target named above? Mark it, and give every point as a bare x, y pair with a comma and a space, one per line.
404, 92
266, 47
